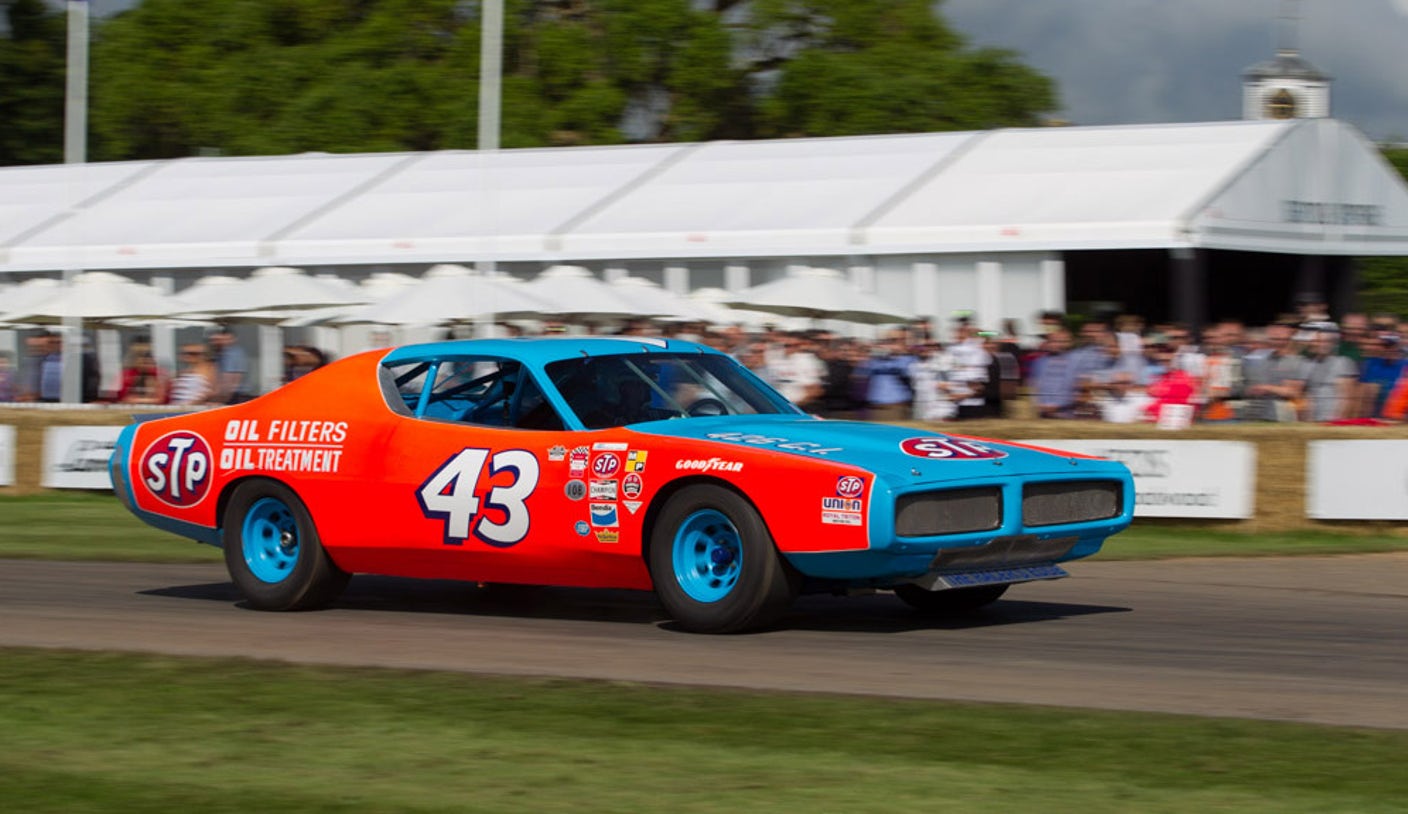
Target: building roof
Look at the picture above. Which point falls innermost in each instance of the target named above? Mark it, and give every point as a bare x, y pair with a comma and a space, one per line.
1300, 186
1286, 65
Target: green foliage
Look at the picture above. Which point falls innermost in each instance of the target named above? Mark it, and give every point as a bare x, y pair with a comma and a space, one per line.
1383, 281
32, 84
242, 77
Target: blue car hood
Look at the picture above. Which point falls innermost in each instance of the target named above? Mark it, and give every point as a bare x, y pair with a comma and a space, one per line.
933, 456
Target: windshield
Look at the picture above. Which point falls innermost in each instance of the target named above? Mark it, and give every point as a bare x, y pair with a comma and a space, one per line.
611, 391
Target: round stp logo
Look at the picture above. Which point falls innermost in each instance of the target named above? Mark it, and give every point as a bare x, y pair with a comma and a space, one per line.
849, 486
176, 469
606, 464
948, 449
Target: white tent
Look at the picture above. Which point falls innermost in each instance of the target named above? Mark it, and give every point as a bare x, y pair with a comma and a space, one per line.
818, 293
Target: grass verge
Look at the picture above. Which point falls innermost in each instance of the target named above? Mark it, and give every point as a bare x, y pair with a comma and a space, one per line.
105, 732
94, 526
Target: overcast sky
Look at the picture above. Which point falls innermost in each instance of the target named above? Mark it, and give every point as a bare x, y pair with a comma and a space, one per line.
1136, 61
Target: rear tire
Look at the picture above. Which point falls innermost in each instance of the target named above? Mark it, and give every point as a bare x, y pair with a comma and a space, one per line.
714, 564
954, 600
272, 550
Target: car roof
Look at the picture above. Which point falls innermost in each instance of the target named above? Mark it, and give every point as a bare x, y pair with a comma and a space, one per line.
543, 349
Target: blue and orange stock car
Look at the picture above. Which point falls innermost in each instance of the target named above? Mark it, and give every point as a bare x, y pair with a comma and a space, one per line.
604, 462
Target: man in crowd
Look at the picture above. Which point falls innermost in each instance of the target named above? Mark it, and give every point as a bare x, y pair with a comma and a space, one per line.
1329, 379
888, 392
1275, 382
232, 384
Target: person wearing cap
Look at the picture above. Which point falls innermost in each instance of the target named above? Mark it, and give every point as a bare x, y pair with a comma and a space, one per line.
1382, 367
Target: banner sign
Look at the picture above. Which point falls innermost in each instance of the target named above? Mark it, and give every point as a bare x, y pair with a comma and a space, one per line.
7, 455
1357, 480
77, 457
1203, 479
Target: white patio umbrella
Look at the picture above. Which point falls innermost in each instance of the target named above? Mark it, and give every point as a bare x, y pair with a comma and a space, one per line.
818, 293
96, 296
573, 293
273, 288
450, 293
19, 297
711, 301
377, 288
647, 296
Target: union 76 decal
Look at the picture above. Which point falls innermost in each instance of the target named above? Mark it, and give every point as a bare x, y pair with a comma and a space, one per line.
499, 514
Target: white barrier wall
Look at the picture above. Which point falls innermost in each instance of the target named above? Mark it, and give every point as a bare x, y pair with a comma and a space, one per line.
1202, 479
1357, 480
7, 455
77, 457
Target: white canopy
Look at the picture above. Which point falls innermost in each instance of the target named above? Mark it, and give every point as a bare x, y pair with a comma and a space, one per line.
450, 293
1313, 186
818, 293
98, 296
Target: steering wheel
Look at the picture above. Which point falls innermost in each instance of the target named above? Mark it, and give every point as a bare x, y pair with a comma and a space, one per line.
707, 406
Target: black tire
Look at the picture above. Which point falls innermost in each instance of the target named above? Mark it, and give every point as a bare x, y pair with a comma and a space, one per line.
954, 600
714, 565
272, 550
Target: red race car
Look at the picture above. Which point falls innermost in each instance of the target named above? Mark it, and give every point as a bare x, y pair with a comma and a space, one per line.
604, 462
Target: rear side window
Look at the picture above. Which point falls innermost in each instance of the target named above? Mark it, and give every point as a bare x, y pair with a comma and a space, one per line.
474, 390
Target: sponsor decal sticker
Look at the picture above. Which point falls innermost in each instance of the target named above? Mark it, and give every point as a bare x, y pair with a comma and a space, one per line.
841, 519
604, 514
576, 489
849, 486
607, 535
938, 448
843, 504
708, 465
577, 461
604, 490
606, 464
631, 505
175, 468
787, 444
632, 486
557, 453
635, 460
582, 528
610, 446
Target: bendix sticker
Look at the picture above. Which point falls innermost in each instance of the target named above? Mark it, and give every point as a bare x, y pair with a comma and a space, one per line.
176, 469
938, 448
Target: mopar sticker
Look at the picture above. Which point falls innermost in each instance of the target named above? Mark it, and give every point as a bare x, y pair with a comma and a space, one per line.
938, 448
176, 469
635, 460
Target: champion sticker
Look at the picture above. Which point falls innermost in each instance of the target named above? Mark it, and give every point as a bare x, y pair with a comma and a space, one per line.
938, 448
604, 490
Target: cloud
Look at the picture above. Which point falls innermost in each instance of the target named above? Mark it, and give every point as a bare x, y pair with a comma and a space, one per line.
1132, 61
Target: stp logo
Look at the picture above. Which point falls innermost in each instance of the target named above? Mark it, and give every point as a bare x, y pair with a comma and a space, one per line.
940, 449
606, 464
176, 469
849, 486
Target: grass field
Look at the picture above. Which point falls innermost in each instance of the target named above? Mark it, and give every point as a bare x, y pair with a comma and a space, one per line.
103, 733
84, 526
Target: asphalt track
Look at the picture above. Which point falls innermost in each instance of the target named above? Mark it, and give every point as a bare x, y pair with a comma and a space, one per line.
1317, 639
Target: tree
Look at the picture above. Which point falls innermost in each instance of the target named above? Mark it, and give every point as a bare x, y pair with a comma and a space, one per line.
1383, 281
175, 78
32, 84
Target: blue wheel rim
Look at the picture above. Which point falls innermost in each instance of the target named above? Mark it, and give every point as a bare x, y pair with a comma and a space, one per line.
708, 555
269, 538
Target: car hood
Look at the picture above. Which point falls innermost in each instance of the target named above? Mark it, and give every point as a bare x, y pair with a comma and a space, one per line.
901, 454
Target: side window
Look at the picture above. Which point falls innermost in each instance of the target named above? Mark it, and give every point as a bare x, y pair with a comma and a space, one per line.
475, 390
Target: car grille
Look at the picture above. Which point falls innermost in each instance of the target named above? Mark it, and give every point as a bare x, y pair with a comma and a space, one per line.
1051, 504
954, 511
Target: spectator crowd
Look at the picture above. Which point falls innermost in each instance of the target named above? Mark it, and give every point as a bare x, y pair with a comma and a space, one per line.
1300, 367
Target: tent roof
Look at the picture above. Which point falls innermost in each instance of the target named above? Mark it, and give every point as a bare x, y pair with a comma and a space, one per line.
1300, 186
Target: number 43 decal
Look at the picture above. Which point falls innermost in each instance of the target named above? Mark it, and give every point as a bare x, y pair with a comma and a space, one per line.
449, 494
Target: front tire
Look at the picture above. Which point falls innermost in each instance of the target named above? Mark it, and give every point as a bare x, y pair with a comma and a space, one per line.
272, 550
954, 600
714, 564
